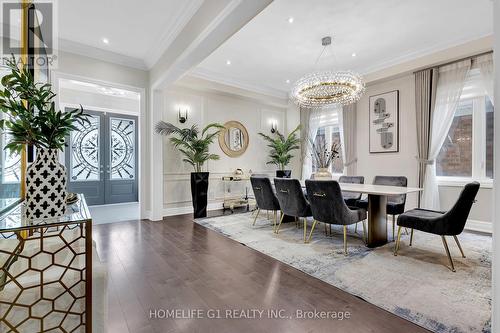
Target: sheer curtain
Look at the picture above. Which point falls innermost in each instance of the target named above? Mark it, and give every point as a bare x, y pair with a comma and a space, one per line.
485, 64
449, 88
347, 126
310, 120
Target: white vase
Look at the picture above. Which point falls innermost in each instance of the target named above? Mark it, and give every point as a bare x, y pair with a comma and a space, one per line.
322, 174
45, 186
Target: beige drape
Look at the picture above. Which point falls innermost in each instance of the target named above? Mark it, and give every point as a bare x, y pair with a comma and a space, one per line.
304, 134
425, 97
349, 135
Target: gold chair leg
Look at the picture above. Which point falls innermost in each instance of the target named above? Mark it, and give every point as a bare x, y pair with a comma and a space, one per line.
330, 232
345, 240
326, 232
459, 246
398, 241
364, 232
448, 253
356, 228
411, 237
275, 218
393, 229
305, 229
256, 215
278, 227
312, 229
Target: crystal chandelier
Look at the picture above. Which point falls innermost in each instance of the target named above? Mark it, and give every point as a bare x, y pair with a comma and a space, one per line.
323, 89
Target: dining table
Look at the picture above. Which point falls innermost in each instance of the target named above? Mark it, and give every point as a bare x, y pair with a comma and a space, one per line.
377, 204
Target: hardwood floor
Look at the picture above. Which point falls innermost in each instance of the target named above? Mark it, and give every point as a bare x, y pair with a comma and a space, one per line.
177, 264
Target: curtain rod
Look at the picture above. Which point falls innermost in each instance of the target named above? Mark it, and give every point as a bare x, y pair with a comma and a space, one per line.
455, 61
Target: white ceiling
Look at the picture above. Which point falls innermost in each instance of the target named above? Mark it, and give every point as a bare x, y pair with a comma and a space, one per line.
269, 50
140, 30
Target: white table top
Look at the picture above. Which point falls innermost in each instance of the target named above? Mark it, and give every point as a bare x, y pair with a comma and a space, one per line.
374, 189
377, 189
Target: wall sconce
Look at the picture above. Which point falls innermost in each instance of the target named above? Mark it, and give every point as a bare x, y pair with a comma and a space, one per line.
274, 126
183, 116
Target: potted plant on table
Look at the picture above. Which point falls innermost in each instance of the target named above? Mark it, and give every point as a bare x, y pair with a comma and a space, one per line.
281, 148
31, 119
323, 157
194, 146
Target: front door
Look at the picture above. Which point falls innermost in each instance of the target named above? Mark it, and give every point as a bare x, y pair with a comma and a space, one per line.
101, 159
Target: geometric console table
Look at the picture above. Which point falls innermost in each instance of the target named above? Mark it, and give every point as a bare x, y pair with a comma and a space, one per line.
46, 271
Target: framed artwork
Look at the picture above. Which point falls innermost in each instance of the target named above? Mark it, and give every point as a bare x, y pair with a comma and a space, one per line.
384, 122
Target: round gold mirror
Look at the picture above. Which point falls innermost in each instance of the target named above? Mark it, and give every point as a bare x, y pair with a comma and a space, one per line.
233, 139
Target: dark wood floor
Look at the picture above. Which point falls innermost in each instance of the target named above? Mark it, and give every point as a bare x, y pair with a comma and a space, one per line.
177, 264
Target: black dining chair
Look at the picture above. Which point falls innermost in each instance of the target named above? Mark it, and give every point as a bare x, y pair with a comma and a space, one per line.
395, 203
292, 201
450, 223
265, 197
351, 198
328, 206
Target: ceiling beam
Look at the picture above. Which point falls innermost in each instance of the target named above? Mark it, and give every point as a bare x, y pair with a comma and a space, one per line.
213, 23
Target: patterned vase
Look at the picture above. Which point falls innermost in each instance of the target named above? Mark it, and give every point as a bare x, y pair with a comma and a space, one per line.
45, 186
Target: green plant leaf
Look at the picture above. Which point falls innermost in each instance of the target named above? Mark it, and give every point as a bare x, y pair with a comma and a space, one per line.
193, 145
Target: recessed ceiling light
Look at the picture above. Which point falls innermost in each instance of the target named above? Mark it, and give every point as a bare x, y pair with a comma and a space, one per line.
228, 62
105, 40
290, 19
353, 54
287, 81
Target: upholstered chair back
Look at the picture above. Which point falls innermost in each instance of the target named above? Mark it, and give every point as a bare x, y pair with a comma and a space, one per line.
400, 181
264, 194
291, 197
327, 204
352, 180
456, 217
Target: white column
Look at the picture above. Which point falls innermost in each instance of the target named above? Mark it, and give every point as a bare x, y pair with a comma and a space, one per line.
156, 176
496, 192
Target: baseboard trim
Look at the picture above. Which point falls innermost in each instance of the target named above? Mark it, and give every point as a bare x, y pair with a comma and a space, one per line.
189, 209
482, 226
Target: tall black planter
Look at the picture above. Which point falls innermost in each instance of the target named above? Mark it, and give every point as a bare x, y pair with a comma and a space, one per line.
199, 191
283, 173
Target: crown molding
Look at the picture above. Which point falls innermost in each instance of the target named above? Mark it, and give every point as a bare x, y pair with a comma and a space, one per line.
169, 34
100, 54
213, 76
485, 42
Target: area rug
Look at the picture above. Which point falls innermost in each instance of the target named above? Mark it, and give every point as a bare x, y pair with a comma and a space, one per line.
416, 285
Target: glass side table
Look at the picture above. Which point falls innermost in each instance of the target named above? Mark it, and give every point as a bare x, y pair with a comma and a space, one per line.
46, 271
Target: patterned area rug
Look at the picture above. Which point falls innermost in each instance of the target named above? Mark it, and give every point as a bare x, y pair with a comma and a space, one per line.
416, 285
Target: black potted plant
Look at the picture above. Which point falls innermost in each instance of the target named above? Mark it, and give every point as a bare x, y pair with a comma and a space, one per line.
281, 147
194, 146
31, 119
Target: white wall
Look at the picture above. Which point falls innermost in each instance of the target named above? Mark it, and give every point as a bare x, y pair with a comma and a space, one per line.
89, 99
404, 163
204, 108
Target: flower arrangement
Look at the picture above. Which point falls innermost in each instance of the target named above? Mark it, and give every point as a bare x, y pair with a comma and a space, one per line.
323, 155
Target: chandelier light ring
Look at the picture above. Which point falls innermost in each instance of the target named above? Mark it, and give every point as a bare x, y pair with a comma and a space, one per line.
322, 89
326, 88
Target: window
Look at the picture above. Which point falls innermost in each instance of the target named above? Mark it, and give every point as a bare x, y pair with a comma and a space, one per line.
468, 149
329, 133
